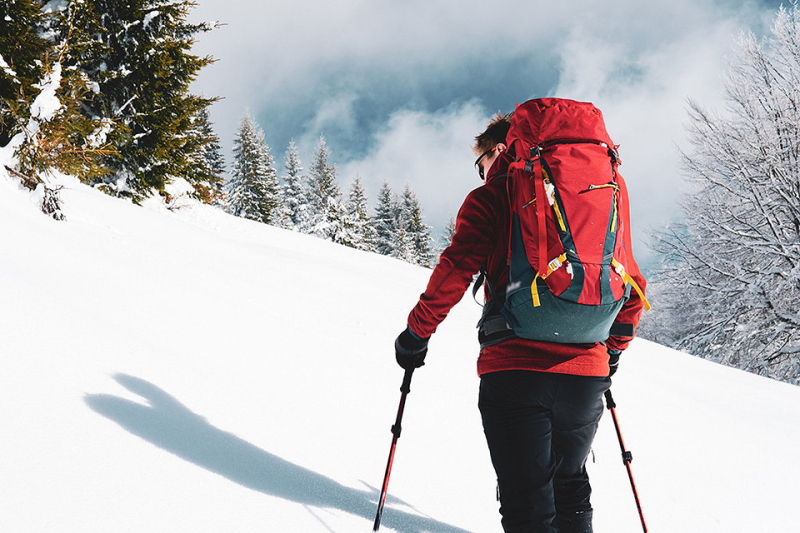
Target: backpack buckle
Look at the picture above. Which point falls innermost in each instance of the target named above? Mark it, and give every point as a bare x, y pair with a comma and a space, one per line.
614, 155
535, 153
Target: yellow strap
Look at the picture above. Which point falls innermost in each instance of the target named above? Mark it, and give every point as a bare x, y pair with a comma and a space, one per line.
628, 279
614, 220
558, 216
535, 292
552, 266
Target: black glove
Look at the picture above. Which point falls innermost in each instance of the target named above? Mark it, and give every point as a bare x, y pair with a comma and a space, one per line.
613, 361
410, 350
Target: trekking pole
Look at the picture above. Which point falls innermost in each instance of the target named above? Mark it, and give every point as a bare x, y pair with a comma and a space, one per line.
627, 457
405, 388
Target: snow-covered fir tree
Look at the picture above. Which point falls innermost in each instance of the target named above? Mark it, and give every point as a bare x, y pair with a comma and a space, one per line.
731, 289
325, 198
46, 119
209, 162
399, 228
357, 212
392, 226
385, 220
294, 192
280, 215
402, 240
253, 188
142, 65
446, 236
340, 227
22, 51
417, 233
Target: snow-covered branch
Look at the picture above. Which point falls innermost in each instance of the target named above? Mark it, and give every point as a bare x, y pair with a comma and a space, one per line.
732, 289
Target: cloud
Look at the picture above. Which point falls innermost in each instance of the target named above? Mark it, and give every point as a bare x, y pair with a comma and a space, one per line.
642, 86
399, 89
431, 151
284, 60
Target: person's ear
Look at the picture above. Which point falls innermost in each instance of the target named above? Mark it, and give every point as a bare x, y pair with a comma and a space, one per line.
501, 147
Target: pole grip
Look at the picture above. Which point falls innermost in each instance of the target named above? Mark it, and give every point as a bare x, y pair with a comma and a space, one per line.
610, 403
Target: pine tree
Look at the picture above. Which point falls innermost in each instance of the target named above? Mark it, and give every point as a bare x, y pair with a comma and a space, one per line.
447, 235
209, 167
294, 192
46, 117
340, 228
22, 49
325, 196
417, 232
402, 240
385, 221
357, 206
143, 68
253, 188
279, 217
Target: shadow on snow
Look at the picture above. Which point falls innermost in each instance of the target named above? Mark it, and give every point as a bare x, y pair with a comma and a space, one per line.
168, 424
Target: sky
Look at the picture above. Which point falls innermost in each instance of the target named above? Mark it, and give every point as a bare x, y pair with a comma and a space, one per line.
399, 89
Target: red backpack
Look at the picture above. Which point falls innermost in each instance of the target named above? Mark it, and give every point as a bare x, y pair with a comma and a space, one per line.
570, 237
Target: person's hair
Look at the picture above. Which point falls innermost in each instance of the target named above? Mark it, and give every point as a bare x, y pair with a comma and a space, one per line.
495, 133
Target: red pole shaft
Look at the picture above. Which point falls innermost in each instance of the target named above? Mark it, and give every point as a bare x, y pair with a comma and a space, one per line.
385, 486
405, 388
626, 457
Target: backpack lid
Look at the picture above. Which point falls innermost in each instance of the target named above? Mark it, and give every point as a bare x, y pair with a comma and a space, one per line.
544, 121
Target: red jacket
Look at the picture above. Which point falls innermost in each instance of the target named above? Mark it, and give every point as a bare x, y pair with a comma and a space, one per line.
481, 241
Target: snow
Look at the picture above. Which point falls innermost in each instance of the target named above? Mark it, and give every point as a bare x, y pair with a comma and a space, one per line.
98, 137
192, 371
149, 18
43, 108
7, 69
46, 104
54, 6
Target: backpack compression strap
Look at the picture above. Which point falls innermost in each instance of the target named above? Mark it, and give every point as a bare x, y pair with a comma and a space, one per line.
538, 181
543, 268
628, 279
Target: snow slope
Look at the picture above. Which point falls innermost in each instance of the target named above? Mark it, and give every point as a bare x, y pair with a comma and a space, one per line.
191, 371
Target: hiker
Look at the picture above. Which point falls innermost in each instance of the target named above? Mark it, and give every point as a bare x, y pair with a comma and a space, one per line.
540, 400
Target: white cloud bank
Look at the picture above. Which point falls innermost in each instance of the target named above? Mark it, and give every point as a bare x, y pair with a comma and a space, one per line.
642, 91
638, 62
429, 151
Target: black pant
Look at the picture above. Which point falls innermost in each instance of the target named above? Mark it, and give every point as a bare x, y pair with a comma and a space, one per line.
540, 427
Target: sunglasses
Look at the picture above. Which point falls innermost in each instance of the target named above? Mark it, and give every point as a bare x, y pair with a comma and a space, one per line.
478, 161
